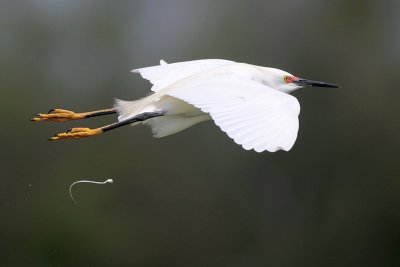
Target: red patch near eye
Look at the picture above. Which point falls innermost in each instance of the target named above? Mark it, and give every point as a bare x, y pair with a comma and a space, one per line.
291, 79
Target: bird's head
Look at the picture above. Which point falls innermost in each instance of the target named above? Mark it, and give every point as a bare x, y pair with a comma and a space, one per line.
286, 82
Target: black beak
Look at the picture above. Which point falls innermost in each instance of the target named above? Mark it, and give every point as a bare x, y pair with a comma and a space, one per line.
310, 83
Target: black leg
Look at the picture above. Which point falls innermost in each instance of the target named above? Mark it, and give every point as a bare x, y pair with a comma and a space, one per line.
141, 117
76, 133
101, 113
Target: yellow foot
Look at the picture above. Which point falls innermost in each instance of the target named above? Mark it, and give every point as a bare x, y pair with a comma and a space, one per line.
59, 115
75, 133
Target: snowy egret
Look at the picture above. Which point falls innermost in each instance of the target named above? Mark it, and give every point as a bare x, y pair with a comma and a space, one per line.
250, 103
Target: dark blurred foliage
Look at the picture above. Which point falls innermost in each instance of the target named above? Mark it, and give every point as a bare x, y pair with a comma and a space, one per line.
196, 198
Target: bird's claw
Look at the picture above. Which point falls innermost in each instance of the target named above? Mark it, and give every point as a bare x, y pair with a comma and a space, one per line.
59, 115
75, 133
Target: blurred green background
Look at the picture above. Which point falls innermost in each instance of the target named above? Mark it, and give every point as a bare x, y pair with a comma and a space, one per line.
196, 198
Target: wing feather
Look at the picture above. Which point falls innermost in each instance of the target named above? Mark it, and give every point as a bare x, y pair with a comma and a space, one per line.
252, 114
165, 74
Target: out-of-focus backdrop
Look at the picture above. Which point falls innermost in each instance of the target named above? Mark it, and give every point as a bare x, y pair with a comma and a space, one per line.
196, 198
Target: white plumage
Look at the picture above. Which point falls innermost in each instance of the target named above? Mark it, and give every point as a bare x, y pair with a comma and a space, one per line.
250, 103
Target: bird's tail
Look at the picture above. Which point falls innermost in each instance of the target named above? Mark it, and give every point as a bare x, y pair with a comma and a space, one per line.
125, 109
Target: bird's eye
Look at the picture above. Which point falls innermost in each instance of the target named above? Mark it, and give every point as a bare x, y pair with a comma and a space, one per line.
286, 79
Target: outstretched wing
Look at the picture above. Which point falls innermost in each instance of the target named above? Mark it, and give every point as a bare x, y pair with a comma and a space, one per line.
252, 114
165, 74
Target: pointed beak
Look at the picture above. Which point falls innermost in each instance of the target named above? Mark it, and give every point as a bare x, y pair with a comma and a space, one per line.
310, 83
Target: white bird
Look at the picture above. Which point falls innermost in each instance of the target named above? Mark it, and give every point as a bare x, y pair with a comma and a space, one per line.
251, 104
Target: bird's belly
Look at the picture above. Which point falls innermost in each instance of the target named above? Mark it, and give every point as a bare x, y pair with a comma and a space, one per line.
178, 115
174, 106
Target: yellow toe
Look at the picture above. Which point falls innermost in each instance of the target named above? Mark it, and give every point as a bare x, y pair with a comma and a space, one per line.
59, 115
76, 133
